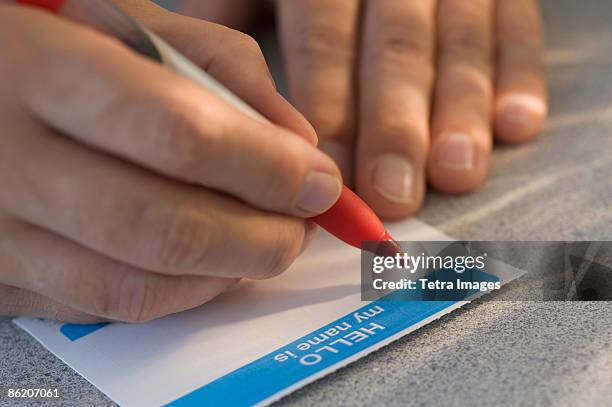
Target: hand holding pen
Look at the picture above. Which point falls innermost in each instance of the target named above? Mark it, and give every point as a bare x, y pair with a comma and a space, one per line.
130, 192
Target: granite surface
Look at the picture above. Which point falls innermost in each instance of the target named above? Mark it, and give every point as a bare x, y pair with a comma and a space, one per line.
488, 353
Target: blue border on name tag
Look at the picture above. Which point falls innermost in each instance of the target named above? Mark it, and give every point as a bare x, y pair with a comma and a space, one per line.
335, 342
323, 348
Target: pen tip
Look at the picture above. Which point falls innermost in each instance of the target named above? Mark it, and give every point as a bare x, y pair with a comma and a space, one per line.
388, 247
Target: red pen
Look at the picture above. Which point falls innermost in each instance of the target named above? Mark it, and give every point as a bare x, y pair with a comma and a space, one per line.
349, 219
352, 221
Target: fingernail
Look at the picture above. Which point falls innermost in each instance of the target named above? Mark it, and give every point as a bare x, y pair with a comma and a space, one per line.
456, 151
520, 109
319, 192
393, 178
340, 154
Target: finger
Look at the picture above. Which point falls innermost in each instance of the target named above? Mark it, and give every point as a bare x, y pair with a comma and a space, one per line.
396, 79
214, 48
520, 105
19, 302
461, 123
116, 101
135, 216
79, 279
319, 39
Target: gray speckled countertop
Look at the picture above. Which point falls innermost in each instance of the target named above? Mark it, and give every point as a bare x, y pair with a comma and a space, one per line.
507, 353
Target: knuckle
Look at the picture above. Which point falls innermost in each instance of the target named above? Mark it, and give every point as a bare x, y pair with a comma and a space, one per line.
122, 293
179, 143
251, 54
400, 42
182, 243
400, 131
324, 40
135, 297
243, 42
99, 296
466, 41
248, 42
285, 247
